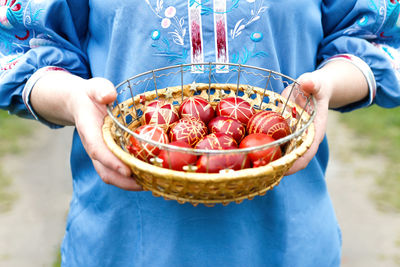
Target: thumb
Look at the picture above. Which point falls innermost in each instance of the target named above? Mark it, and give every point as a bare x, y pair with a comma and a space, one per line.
101, 90
309, 84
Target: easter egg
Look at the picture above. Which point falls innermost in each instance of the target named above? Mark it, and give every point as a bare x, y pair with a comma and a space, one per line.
269, 122
197, 107
217, 163
230, 126
216, 141
261, 157
160, 113
235, 107
176, 160
143, 150
189, 130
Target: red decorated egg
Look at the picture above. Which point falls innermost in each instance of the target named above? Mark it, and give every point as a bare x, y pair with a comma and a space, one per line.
176, 160
230, 126
261, 157
197, 107
217, 141
217, 163
269, 122
189, 130
160, 113
235, 107
143, 150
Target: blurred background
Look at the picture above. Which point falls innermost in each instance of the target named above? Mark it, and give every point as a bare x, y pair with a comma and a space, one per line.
363, 178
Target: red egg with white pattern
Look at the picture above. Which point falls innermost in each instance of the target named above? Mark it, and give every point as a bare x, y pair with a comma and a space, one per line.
217, 141
160, 113
143, 150
230, 126
197, 107
269, 122
189, 129
235, 107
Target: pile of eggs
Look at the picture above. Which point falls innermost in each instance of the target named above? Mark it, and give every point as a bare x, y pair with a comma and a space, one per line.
233, 124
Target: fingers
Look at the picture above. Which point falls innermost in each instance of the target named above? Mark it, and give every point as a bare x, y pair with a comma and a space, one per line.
90, 131
303, 161
91, 111
101, 90
311, 85
115, 178
308, 84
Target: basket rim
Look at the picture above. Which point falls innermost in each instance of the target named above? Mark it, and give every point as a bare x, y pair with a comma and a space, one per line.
204, 64
169, 147
249, 173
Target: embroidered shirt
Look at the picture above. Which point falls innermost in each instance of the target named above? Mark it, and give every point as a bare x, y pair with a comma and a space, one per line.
292, 225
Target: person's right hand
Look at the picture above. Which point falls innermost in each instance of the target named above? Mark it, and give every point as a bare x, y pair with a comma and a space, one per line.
66, 99
90, 110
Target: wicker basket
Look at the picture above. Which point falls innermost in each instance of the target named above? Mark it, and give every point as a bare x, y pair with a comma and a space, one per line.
210, 188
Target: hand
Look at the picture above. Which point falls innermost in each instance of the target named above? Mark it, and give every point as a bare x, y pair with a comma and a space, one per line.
66, 99
89, 110
313, 84
337, 84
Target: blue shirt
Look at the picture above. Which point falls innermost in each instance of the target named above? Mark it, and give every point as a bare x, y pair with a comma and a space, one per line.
292, 225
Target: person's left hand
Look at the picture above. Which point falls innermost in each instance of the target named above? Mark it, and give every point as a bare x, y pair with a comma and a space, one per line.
313, 83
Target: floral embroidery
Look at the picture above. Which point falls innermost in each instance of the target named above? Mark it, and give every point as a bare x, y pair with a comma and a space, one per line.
8, 62
173, 29
165, 23
164, 50
168, 20
155, 35
246, 54
158, 8
11, 17
170, 12
206, 10
15, 36
179, 33
391, 27
256, 37
256, 12
363, 21
388, 28
10, 13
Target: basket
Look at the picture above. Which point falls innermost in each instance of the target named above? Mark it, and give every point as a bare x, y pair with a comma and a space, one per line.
178, 82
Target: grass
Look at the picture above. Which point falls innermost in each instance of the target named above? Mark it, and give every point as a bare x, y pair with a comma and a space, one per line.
381, 127
7, 197
12, 129
57, 262
12, 132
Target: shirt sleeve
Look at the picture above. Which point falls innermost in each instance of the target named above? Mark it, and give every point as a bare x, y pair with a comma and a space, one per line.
37, 36
365, 31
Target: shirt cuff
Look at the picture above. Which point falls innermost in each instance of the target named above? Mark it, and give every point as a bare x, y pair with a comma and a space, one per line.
366, 71
26, 93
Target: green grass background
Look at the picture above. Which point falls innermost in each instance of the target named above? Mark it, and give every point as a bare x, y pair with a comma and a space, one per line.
381, 129
12, 132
